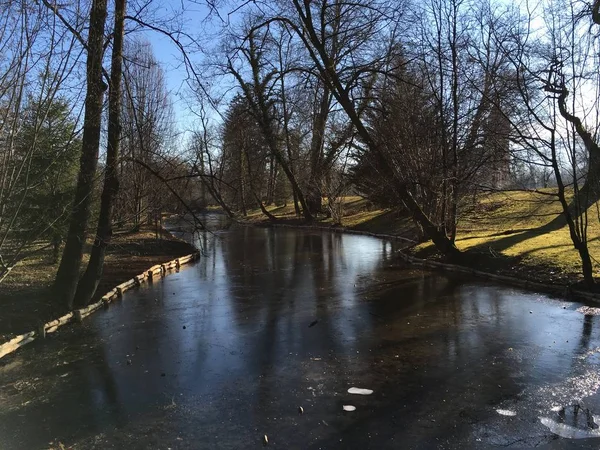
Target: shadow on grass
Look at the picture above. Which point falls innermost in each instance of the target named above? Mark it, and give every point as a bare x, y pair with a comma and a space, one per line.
521, 236
391, 222
356, 206
280, 209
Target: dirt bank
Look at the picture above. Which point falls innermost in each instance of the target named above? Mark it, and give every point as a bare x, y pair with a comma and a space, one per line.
25, 295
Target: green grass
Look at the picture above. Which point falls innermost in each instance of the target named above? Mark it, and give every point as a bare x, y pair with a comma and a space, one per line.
357, 211
508, 224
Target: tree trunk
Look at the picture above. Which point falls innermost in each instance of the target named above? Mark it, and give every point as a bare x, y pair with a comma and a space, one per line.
242, 178
314, 195
579, 240
56, 241
257, 98
67, 276
271, 183
314, 200
296, 205
589, 193
305, 210
89, 282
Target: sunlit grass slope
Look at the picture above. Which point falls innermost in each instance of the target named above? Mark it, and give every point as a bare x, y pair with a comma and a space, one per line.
509, 224
358, 214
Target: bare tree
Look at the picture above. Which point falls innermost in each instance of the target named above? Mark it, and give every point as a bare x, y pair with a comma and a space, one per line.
257, 91
147, 130
551, 65
89, 282
67, 276
349, 80
207, 165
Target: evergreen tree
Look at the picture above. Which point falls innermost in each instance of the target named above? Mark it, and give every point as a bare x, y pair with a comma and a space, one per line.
49, 145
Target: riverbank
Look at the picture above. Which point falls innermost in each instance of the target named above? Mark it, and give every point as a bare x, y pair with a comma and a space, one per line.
25, 295
502, 233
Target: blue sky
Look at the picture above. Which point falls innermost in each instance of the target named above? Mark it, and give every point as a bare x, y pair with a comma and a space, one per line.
169, 56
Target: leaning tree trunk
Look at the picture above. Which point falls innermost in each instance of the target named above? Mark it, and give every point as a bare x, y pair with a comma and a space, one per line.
589, 193
91, 278
258, 100
67, 276
326, 68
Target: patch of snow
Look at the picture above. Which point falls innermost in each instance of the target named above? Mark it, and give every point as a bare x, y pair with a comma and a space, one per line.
359, 391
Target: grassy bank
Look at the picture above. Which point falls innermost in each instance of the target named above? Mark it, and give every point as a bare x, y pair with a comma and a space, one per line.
359, 214
502, 232
24, 295
512, 230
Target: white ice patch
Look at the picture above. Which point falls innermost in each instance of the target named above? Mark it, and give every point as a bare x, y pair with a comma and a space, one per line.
349, 408
567, 431
359, 391
556, 408
506, 412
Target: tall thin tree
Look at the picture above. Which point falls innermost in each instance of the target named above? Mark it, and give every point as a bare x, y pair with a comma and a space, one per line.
89, 282
67, 277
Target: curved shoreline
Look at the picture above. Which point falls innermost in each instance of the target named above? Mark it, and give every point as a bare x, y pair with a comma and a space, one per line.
549, 288
78, 315
335, 229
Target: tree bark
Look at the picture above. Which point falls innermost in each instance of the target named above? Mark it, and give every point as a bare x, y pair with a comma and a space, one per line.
596, 12
67, 276
314, 195
579, 241
91, 278
589, 193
